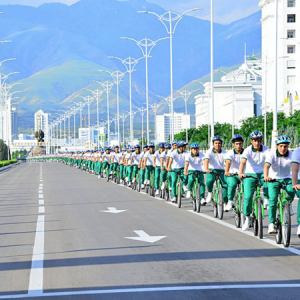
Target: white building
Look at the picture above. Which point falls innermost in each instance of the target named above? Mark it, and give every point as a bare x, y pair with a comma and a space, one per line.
87, 135
41, 122
288, 54
236, 97
163, 125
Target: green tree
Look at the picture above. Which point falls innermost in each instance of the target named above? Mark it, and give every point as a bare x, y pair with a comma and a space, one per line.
3, 150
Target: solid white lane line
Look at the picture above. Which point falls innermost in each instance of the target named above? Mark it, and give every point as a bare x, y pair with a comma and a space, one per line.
233, 227
35, 287
154, 289
41, 210
41, 202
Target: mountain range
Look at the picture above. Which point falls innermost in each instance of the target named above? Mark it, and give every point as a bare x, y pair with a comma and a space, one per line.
59, 50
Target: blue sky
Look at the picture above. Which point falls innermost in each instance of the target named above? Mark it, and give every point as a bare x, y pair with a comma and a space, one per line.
226, 11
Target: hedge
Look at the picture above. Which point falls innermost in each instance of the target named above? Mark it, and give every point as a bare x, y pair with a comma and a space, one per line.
5, 163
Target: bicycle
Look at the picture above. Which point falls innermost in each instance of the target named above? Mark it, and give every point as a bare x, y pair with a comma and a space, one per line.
179, 188
217, 197
196, 194
283, 221
237, 203
136, 184
150, 188
257, 215
116, 175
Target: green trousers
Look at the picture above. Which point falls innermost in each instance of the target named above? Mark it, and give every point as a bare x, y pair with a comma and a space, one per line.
298, 209
122, 171
113, 167
105, 166
174, 177
249, 189
135, 170
274, 190
163, 175
142, 176
148, 171
157, 177
192, 178
232, 183
129, 173
211, 178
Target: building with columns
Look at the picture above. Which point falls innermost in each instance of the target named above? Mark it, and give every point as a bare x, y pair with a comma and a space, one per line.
41, 122
288, 54
236, 97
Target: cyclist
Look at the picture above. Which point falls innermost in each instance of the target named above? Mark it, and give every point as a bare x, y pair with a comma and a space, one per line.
121, 163
157, 166
278, 166
141, 165
114, 160
193, 167
175, 166
135, 160
163, 163
105, 160
252, 164
296, 182
174, 147
232, 164
148, 162
214, 162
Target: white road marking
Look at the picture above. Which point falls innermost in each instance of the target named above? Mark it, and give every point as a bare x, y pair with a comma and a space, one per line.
35, 287
41, 180
41, 210
113, 210
144, 237
154, 289
41, 202
266, 240
41, 184
41, 196
41, 191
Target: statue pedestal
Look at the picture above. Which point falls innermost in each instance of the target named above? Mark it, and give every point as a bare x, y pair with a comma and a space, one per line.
37, 151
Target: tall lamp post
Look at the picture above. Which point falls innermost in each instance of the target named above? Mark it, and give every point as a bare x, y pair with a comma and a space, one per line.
123, 118
129, 64
142, 111
88, 100
154, 108
170, 20
146, 45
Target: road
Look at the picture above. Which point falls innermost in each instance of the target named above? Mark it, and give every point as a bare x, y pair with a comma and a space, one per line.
58, 241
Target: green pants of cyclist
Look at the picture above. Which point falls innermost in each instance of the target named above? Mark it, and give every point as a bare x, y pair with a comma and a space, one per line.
113, 167
142, 176
148, 171
163, 175
298, 209
122, 171
174, 177
250, 188
157, 177
232, 183
274, 190
129, 173
211, 178
135, 169
105, 166
192, 178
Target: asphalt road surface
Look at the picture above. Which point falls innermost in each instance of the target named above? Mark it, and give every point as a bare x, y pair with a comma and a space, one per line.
65, 234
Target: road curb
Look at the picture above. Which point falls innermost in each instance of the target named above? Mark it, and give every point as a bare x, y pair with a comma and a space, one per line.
4, 169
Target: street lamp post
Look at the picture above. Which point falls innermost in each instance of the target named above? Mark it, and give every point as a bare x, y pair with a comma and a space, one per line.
129, 64
154, 108
123, 118
142, 111
186, 95
146, 45
212, 92
88, 100
172, 19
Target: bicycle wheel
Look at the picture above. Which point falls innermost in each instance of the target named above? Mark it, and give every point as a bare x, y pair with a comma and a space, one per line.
153, 188
198, 199
138, 183
193, 196
278, 236
286, 225
215, 202
167, 195
237, 216
179, 194
220, 203
107, 175
260, 218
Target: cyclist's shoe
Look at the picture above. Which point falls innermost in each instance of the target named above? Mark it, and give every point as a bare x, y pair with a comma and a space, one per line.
203, 202
133, 180
129, 183
185, 188
99, 176
298, 231
246, 224
291, 210
162, 186
208, 198
188, 194
157, 192
228, 206
272, 229
142, 186
121, 181
266, 203
173, 199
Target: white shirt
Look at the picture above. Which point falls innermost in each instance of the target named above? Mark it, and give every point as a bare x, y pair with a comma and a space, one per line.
178, 159
116, 156
216, 160
106, 157
149, 158
195, 162
255, 159
280, 165
135, 158
128, 156
235, 159
164, 155
296, 158
157, 155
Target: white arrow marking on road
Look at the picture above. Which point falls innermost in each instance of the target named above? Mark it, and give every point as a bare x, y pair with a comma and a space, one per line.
113, 210
144, 237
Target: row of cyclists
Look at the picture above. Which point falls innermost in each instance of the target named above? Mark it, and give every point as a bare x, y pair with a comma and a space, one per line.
256, 164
